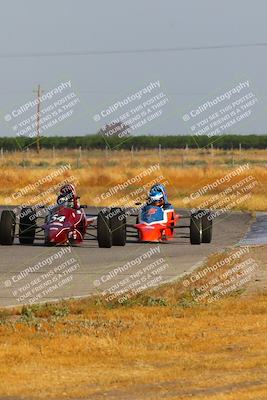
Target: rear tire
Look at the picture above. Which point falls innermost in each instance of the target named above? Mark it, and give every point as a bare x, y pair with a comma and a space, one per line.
118, 227
104, 234
7, 227
206, 228
195, 229
27, 226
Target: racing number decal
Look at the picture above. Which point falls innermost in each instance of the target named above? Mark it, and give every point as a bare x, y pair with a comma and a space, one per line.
59, 218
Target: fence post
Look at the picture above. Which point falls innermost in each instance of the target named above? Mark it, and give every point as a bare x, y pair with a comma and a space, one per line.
212, 152
79, 154
160, 151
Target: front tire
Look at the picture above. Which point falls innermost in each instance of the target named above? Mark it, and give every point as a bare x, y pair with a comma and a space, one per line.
195, 229
118, 226
7, 227
27, 226
206, 228
104, 234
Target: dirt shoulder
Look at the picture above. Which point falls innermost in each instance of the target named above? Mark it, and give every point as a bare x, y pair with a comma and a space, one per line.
259, 283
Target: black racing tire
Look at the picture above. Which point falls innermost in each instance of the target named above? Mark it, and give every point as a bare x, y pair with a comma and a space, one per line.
118, 226
27, 225
104, 233
195, 229
206, 228
7, 227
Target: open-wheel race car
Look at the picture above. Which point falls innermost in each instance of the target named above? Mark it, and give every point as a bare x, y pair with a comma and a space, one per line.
64, 223
159, 224
153, 224
61, 225
156, 221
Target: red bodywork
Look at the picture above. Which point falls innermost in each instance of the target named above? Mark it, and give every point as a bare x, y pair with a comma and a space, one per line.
65, 225
158, 231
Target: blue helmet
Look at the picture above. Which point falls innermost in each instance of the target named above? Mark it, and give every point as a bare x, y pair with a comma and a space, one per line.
158, 194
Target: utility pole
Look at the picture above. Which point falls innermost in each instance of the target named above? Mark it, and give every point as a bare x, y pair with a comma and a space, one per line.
39, 92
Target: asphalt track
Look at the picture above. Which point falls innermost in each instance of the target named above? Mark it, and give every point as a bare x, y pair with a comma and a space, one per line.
257, 235
36, 273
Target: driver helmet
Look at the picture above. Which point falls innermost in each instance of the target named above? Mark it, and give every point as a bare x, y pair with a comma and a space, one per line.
158, 191
68, 189
156, 197
67, 194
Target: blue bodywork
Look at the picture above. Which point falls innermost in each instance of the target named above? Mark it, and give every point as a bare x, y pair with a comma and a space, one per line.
150, 213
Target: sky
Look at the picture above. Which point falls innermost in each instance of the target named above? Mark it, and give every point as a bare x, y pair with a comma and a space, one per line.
110, 50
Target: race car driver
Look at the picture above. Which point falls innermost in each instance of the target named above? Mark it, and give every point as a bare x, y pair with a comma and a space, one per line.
157, 196
68, 195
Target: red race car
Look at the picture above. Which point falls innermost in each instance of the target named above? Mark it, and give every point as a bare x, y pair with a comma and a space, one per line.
64, 223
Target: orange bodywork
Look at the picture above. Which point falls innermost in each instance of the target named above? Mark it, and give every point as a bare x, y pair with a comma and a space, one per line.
159, 231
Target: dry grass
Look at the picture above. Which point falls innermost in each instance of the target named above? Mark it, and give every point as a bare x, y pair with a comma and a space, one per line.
157, 346
97, 171
169, 349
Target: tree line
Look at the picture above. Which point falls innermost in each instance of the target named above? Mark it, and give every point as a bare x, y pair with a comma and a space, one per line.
98, 141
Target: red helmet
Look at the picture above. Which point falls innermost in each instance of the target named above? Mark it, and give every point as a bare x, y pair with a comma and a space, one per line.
68, 189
